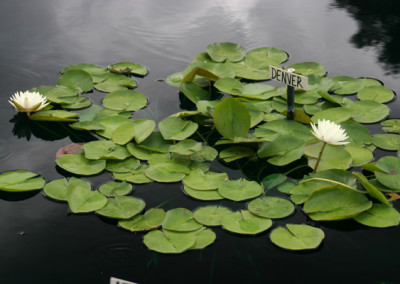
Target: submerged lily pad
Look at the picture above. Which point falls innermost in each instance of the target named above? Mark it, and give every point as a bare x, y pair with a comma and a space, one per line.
238, 190
150, 220
59, 189
78, 164
297, 237
122, 207
20, 180
271, 207
211, 215
219, 52
380, 215
244, 222
180, 220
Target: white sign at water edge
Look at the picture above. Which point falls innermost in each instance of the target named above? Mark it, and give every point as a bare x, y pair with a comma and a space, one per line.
288, 78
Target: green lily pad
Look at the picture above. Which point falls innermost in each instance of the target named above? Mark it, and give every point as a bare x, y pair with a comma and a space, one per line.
110, 124
77, 80
150, 220
358, 134
380, 216
203, 237
271, 207
80, 102
335, 203
78, 164
368, 111
89, 68
369, 82
337, 115
244, 222
180, 220
125, 100
378, 94
155, 143
274, 129
113, 188
219, 52
360, 155
84, 200
20, 180
128, 68
137, 176
199, 180
308, 68
242, 70
167, 242
272, 180
88, 125
143, 128
297, 237
389, 172
391, 125
234, 153
56, 94
231, 118
185, 147
124, 133
104, 149
122, 207
211, 215
194, 92
54, 115
59, 189
371, 189
346, 85
333, 157
163, 173
387, 141
137, 152
110, 82
206, 195
122, 166
173, 128
263, 57
238, 190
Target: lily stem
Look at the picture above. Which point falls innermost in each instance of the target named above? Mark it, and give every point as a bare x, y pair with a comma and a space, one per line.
319, 157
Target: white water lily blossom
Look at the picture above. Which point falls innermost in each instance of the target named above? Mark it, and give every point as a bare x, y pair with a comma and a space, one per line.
28, 101
329, 132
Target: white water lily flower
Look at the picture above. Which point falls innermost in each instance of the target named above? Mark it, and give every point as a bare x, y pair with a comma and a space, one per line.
329, 132
28, 101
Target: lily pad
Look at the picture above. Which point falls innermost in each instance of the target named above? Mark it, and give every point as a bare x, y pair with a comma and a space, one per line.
242, 70
219, 52
358, 134
234, 153
125, 100
389, 172
20, 180
371, 189
173, 128
180, 220
263, 57
199, 180
54, 115
128, 68
337, 115
113, 188
391, 125
185, 147
124, 133
122, 166
78, 164
238, 190
78, 103
368, 111
155, 143
244, 222
297, 237
122, 207
104, 149
77, 80
194, 92
84, 200
165, 242
56, 94
308, 68
387, 141
204, 237
333, 157
360, 155
110, 124
380, 216
378, 94
89, 68
150, 220
137, 176
59, 189
110, 82
163, 173
335, 203
346, 85
211, 215
206, 195
271, 207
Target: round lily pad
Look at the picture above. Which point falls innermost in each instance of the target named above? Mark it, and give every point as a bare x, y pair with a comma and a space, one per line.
20, 180
205, 195
56, 94
164, 173
122, 166
387, 141
368, 111
360, 155
77, 80
203, 237
113, 188
173, 128
125, 100
308, 68
380, 215
243, 222
180, 220
137, 176
110, 124
378, 94
389, 172
167, 242
104, 149
210, 215
219, 52
78, 164
89, 68
333, 157
261, 57
346, 85
297, 237
150, 220
391, 125
122, 207
238, 190
234, 153
271, 207
124, 133
84, 200
186, 147
78, 103
128, 68
59, 189
199, 180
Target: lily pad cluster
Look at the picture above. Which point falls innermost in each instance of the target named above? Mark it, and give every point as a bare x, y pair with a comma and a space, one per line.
231, 115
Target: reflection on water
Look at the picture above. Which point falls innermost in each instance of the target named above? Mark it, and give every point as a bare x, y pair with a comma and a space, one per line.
378, 27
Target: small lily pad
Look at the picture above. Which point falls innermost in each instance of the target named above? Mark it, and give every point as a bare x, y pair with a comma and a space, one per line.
234, 153
128, 68
173, 128
164, 242
389, 172
20, 180
308, 68
185, 147
59, 189
346, 85
150, 220
271, 207
180, 220
122, 166
56, 94
78, 103
84, 200
78, 164
211, 215
238, 190
137, 176
380, 216
391, 125
219, 52
244, 222
368, 111
113, 188
89, 68
297, 237
122, 207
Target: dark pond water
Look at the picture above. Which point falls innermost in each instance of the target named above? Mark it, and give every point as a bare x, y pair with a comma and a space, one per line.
40, 37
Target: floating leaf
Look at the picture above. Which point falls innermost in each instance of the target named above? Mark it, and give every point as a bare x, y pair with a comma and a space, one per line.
219, 52
78, 164
335, 203
186, 147
297, 237
124, 133
234, 153
368, 111
56, 94
194, 92
389, 172
110, 82
128, 68
89, 68
78, 103
263, 57
163, 173
272, 180
137, 176
150, 220
337, 115
387, 141
308, 68
54, 115
378, 94
211, 215
104, 149
391, 125
110, 124
204, 237
125, 100
380, 216
122, 166
370, 188
20, 180
271, 207
113, 188
248, 72
244, 222
358, 134
78, 80
59, 189
180, 220
360, 155
333, 157
199, 180
84, 200
173, 128
73, 148
156, 143
345, 85
205, 195
122, 207
167, 242
238, 190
